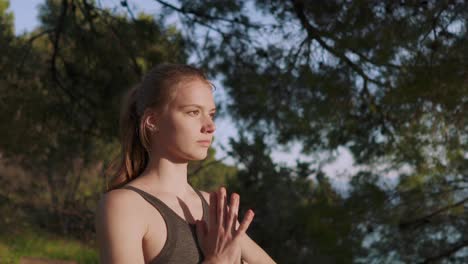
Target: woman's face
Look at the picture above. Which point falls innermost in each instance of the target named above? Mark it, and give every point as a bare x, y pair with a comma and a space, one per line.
188, 119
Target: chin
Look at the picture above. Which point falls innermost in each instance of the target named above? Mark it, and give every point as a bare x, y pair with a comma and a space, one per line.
200, 155
203, 155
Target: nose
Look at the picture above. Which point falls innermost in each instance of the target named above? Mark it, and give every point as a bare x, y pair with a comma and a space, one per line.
209, 125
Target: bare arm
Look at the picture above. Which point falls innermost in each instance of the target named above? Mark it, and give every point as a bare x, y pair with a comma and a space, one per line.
252, 252
119, 229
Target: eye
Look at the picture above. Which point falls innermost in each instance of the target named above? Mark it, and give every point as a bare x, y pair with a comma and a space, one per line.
213, 115
197, 111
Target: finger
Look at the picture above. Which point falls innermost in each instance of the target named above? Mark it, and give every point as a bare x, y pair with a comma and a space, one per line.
235, 225
213, 221
226, 209
248, 217
233, 211
221, 205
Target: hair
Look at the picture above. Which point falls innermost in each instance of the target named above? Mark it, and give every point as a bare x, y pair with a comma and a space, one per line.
156, 90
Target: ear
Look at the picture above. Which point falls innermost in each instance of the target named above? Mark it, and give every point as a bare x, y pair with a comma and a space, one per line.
151, 119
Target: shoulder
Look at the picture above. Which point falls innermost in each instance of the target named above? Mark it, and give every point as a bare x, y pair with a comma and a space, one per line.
121, 207
120, 225
120, 198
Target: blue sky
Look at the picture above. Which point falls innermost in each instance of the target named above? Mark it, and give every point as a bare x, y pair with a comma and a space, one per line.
25, 12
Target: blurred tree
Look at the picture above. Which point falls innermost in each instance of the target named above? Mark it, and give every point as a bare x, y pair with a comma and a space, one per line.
210, 173
296, 218
62, 87
388, 80
6, 19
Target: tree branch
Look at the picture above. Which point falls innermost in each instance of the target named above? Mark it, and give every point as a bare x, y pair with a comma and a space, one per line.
447, 253
426, 219
203, 15
313, 33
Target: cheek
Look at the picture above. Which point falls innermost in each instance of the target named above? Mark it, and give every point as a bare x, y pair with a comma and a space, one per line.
182, 128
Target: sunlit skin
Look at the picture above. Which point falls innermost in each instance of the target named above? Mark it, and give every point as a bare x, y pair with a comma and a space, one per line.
188, 119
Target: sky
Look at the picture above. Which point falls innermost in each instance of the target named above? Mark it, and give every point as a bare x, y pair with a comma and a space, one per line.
341, 169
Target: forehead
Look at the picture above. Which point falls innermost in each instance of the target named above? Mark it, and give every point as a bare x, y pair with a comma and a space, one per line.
194, 91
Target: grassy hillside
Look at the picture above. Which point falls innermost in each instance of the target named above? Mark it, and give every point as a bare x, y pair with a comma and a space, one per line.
36, 243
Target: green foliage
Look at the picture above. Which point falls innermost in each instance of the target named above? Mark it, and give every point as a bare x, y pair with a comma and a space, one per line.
209, 174
61, 89
387, 80
295, 218
40, 244
6, 19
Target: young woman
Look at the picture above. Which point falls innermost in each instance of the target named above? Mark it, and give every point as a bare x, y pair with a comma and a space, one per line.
150, 213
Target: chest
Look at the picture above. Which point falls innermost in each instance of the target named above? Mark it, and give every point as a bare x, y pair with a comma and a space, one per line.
169, 233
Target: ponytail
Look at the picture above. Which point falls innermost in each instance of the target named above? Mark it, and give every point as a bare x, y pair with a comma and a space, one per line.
134, 157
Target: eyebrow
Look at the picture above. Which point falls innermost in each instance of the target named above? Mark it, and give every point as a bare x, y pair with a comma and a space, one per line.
199, 106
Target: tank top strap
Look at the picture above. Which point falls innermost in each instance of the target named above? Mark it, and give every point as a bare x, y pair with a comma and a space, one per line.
205, 205
181, 245
160, 205
171, 226
165, 210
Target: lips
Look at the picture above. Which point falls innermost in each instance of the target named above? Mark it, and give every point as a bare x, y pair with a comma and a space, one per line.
204, 143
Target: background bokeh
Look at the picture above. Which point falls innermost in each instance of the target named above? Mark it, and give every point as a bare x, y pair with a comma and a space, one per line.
342, 124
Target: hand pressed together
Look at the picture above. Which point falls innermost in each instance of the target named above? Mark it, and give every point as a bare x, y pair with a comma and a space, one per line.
220, 239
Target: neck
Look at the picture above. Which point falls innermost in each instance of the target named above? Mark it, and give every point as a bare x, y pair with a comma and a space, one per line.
163, 175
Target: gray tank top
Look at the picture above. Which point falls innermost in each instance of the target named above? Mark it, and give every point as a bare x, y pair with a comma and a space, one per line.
181, 245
